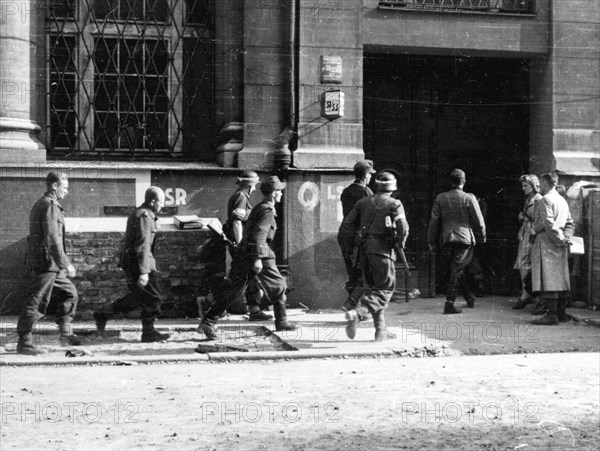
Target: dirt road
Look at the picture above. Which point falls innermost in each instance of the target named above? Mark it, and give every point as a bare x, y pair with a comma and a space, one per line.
525, 402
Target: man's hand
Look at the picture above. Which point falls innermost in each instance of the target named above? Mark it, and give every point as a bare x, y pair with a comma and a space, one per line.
432, 247
258, 266
71, 271
142, 280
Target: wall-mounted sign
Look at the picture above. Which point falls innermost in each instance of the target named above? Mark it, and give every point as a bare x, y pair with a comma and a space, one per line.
331, 69
332, 104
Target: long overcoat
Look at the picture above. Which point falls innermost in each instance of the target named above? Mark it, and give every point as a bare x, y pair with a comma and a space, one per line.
550, 252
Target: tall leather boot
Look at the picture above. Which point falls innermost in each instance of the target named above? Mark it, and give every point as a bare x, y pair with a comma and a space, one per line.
25, 345
561, 311
67, 337
550, 318
281, 322
101, 317
381, 332
151, 335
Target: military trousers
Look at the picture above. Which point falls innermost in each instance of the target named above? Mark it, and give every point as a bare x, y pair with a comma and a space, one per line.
457, 257
46, 284
380, 277
271, 281
148, 297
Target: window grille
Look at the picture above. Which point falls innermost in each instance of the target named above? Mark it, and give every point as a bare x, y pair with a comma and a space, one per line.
130, 77
504, 6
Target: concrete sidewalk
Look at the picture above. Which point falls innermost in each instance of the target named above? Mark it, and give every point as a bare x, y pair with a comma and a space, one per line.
492, 327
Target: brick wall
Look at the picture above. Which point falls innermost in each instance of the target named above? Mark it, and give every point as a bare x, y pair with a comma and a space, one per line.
186, 274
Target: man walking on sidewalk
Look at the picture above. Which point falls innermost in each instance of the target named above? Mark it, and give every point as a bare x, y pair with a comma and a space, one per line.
137, 260
549, 256
456, 222
358, 190
47, 258
255, 258
379, 221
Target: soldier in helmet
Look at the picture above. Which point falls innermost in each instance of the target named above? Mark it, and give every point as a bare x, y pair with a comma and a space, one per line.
378, 219
238, 211
255, 258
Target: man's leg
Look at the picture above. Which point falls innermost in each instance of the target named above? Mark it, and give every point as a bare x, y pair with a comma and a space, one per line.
121, 306
236, 282
449, 256
551, 317
151, 297
275, 285
382, 275
68, 298
253, 297
36, 303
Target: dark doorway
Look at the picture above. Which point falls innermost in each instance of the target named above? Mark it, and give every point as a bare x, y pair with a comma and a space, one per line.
424, 116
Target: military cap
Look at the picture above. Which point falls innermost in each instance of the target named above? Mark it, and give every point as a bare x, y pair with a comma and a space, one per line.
272, 184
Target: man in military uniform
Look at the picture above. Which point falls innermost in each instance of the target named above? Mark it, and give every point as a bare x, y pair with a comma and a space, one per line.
358, 190
47, 258
137, 260
255, 258
381, 223
238, 211
457, 222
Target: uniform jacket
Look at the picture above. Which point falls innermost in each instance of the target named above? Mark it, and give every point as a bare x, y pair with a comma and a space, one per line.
549, 264
456, 218
46, 242
259, 232
137, 253
238, 209
352, 194
377, 207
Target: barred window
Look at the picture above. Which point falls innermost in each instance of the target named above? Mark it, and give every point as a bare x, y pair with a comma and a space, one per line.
131, 77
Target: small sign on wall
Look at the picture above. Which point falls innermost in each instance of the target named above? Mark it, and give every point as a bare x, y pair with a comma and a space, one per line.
332, 104
331, 69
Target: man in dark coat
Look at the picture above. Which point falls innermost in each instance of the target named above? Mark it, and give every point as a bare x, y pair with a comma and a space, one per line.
457, 223
255, 258
358, 190
380, 221
137, 260
47, 258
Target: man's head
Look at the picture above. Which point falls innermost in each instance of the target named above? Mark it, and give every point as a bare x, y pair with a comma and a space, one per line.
58, 183
457, 178
155, 198
363, 170
385, 183
547, 182
273, 188
248, 179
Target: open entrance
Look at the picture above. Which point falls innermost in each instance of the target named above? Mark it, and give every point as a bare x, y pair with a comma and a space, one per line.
426, 115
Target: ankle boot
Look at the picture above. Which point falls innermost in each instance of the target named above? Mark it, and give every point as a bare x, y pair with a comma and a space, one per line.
539, 308
381, 332
101, 317
550, 318
151, 335
25, 345
561, 312
281, 322
449, 308
67, 337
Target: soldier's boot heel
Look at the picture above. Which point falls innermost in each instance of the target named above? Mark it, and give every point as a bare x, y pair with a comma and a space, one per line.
25, 346
67, 337
449, 309
151, 335
381, 331
281, 322
211, 331
353, 318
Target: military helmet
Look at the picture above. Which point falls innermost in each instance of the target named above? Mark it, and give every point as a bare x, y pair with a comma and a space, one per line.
248, 178
386, 182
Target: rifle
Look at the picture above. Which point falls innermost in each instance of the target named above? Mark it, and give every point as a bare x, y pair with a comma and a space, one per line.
406, 270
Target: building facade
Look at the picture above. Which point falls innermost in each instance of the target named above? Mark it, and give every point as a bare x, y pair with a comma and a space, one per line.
122, 94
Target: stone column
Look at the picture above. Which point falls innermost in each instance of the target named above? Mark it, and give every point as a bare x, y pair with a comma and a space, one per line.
22, 80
